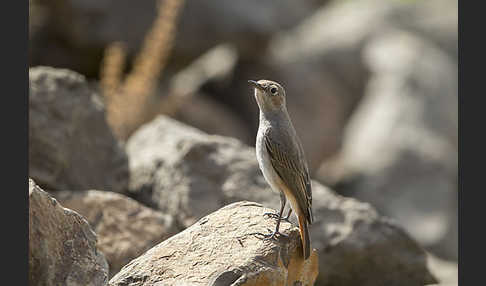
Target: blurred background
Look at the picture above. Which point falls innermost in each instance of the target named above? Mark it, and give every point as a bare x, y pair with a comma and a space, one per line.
371, 85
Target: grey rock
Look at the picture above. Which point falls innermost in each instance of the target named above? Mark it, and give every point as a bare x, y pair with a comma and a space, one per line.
445, 271
325, 75
221, 249
400, 148
185, 172
62, 245
189, 174
125, 228
70, 144
212, 117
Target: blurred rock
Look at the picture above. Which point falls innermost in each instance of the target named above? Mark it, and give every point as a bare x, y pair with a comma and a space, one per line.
190, 106
220, 249
325, 75
445, 271
400, 148
195, 173
189, 176
74, 33
212, 117
356, 244
62, 245
70, 144
422, 19
124, 227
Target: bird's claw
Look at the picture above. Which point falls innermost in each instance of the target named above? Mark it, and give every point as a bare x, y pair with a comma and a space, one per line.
276, 216
271, 215
270, 236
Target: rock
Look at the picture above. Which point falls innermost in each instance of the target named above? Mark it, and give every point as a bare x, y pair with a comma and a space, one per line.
213, 117
445, 271
75, 32
356, 244
249, 25
422, 19
70, 144
124, 227
191, 106
400, 148
62, 245
325, 75
195, 174
220, 249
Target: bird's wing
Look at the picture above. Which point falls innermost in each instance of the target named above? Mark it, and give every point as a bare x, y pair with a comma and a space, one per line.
290, 165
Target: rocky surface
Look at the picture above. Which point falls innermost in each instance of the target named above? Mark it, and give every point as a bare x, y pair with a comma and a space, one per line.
62, 245
70, 144
221, 249
372, 92
125, 228
405, 163
445, 271
195, 174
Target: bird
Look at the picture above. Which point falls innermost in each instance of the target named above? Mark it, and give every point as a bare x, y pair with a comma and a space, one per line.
281, 158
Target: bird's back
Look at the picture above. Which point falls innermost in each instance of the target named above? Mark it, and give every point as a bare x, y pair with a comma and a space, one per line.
282, 150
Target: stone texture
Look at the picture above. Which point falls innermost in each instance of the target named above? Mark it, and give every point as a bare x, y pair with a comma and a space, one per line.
400, 148
445, 271
193, 174
125, 228
196, 173
70, 144
220, 249
62, 245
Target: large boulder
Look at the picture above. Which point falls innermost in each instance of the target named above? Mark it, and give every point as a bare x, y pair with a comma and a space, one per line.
400, 151
124, 227
224, 249
62, 245
70, 143
187, 173
194, 174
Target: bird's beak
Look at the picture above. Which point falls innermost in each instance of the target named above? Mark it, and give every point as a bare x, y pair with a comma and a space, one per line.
255, 84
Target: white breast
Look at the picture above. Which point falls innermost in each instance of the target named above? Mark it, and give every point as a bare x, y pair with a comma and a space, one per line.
264, 162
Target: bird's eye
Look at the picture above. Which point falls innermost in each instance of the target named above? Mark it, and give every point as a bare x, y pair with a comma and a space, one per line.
273, 90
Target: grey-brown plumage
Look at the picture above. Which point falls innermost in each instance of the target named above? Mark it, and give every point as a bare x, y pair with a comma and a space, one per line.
281, 157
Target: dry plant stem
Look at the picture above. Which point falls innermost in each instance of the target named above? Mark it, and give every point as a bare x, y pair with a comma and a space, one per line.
153, 56
128, 103
111, 75
112, 69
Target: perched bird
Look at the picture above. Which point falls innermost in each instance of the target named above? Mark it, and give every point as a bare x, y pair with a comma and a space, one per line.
281, 158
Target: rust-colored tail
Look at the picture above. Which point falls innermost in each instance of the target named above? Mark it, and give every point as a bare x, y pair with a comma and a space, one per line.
304, 236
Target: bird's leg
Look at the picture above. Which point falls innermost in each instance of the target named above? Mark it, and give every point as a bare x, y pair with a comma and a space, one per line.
276, 216
283, 200
288, 215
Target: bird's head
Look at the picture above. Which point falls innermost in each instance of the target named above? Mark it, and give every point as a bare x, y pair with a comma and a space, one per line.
269, 95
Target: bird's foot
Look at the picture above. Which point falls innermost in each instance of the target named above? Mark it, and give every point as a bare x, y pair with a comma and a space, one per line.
270, 236
276, 216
